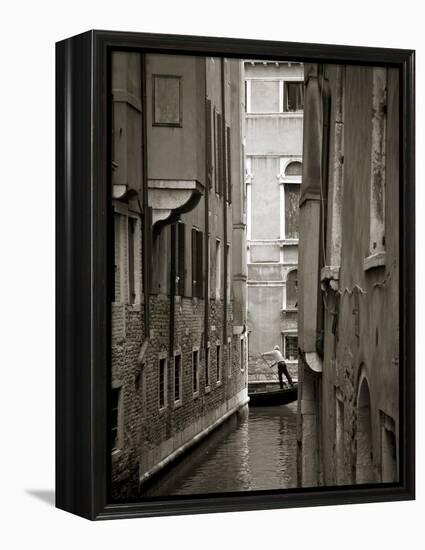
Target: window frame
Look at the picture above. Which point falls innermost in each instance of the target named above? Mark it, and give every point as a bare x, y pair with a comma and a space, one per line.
285, 94
282, 99
163, 357
178, 124
219, 363
195, 393
178, 402
285, 334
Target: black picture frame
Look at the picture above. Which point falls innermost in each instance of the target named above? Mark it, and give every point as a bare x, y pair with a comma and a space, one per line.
82, 275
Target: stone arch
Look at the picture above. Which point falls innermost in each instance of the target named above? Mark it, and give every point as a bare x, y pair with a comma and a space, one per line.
292, 289
294, 168
364, 449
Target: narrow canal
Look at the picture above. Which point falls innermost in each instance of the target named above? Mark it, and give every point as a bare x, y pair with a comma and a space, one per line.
253, 451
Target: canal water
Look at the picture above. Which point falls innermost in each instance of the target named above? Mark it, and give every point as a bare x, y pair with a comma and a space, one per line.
251, 451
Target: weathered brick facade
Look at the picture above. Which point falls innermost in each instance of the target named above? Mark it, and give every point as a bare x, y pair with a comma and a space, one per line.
157, 409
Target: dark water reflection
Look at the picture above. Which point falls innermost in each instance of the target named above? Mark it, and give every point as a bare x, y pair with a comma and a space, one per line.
254, 451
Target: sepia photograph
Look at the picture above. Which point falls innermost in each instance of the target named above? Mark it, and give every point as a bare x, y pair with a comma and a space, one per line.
253, 275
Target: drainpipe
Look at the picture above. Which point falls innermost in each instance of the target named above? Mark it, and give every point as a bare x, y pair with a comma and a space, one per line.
224, 183
146, 225
207, 224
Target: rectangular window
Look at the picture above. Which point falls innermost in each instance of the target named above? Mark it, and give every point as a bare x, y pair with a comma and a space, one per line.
264, 96
242, 353
195, 371
229, 357
115, 417
220, 156
116, 283
177, 378
339, 440
162, 383
207, 368
292, 198
217, 269
218, 362
131, 260
180, 263
389, 467
197, 263
291, 347
167, 102
294, 96
229, 272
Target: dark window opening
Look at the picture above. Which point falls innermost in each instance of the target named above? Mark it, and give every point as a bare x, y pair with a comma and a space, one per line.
177, 377
294, 96
181, 267
218, 362
197, 263
207, 368
115, 400
195, 372
291, 348
292, 290
292, 197
131, 263
162, 382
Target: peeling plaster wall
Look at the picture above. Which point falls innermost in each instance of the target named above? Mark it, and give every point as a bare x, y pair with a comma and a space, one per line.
361, 319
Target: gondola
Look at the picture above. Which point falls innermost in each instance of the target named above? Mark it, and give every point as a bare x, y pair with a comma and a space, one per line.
271, 397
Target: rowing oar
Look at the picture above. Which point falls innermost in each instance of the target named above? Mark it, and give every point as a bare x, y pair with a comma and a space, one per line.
267, 363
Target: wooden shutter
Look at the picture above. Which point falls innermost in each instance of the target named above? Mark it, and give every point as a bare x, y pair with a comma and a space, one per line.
219, 188
194, 262
131, 282
215, 150
229, 165
181, 258
199, 267
209, 143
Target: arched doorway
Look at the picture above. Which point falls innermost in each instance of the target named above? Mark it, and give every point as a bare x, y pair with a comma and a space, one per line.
364, 453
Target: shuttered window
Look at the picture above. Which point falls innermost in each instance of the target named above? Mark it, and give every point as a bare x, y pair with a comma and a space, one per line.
180, 263
197, 263
209, 143
220, 156
177, 378
131, 265
228, 165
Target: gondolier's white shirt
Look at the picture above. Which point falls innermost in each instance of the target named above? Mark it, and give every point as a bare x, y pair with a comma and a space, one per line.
275, 354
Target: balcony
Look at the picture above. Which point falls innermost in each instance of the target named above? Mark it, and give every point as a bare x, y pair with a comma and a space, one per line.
171, 198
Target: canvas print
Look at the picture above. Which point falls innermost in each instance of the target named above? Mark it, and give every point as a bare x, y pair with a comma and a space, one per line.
253, 275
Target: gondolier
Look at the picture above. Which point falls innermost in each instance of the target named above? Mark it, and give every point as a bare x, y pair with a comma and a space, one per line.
278, 359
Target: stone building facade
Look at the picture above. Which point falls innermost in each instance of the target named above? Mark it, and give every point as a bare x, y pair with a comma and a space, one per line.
273, 166
349, 285
178, 312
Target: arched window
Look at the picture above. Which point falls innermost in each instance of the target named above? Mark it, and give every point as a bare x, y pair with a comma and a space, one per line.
292, 290
364, 461
294, 169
